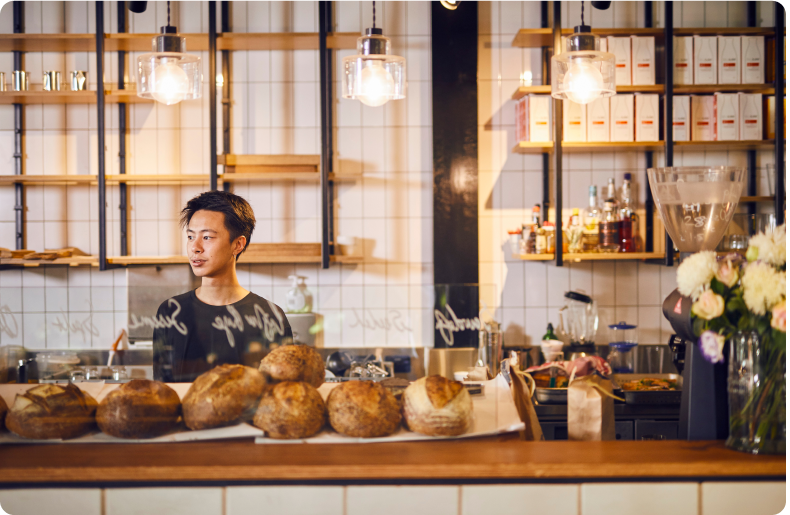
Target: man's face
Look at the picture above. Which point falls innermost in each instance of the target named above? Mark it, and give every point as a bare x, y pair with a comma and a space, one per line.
208, 244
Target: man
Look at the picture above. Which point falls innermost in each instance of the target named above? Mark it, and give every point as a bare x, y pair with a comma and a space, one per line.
219, 322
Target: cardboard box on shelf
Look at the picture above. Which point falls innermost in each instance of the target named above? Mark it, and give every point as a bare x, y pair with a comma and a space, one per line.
751, 116
621, 48
540, 118
681, 116
729, 59
727, 115
621, 109
603, 45
752, 59
683, 58
574, 121
646, 117
702, 118
643, 60
598, 120
705, 60
522, 119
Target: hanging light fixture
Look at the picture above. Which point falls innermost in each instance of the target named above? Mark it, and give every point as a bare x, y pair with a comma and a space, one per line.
450, 4
374, 77
582, 73
168, 74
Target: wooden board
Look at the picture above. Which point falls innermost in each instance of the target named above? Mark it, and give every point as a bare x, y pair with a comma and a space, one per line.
766, 89
534, 38
69, 97
47, 43
724, 145
285, 41
547, 147
546, 90
46, 179
725, 31
599, 256
269, 159
492, 458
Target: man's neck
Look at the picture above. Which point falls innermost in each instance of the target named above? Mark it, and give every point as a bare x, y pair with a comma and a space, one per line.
221, 289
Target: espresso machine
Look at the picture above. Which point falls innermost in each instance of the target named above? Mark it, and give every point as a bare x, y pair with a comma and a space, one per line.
696, 205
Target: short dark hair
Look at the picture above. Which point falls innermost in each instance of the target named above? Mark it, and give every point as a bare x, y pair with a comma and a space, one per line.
239, 218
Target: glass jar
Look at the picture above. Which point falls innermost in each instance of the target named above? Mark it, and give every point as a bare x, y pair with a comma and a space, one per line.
757, 395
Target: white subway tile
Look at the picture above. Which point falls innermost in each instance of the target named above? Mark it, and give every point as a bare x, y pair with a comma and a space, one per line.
757, 498
284, 500
519, 499
172, 500
66, 501
643, 498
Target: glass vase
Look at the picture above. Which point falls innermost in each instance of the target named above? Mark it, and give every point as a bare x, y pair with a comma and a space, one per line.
757, 396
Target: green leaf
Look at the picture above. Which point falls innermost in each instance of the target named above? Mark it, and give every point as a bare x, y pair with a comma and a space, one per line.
698, 326
718, 287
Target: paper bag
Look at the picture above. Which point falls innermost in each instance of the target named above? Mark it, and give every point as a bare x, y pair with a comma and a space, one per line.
522, 387
591, 409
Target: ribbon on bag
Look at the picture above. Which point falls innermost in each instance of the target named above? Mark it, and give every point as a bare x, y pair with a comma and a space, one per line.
591, 409
523, 388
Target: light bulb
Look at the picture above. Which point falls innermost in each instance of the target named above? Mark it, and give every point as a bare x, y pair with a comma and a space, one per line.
169, 83
376, 83
583, 82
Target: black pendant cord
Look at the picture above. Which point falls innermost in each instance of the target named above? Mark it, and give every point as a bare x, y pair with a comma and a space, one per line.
374, 14
168, 13
582, 12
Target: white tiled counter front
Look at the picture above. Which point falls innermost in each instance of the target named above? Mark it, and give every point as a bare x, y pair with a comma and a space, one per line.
719, 498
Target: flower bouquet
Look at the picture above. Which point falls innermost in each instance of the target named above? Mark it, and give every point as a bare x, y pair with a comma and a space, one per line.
743, 301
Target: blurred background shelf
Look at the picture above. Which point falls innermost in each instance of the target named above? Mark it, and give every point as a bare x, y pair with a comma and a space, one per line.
535, 38
117, 96
523, 91
627, 256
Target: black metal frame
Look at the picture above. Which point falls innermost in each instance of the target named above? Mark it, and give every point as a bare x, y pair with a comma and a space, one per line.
212, 89
649, 203
225, 21
545, 53
19, 128
669, 83
325, 55
122, 133
557, 33
100, 112
779, 118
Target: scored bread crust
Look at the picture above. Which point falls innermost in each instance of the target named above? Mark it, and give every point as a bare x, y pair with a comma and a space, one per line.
139, 409
437, 406
52, 411
363, 409
224, 395
290, 410
294, 363
3, 411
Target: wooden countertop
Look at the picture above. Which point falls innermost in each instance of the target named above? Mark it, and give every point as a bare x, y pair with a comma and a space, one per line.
493, 459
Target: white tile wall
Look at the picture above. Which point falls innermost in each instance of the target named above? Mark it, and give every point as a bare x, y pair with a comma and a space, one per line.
519, 499
173, 501
397, 500
65, 501
755, 498
642, 498
387, 300
284, 500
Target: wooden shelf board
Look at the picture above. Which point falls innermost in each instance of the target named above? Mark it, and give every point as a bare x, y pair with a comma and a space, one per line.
766, 89
48, 42
724, 145
269, 159
346, 259
44, 179
285, 41
172, 178
533, 38
69, 97
547, 147
71, 261
630, 256
546, 90
725, 31
756, 199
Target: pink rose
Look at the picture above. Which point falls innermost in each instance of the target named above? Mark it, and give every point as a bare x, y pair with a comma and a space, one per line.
779, 317
709, 305
727, 274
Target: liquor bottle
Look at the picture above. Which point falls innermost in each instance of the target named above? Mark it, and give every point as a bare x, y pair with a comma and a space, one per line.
531, 247
592, 218
609, 228
611, 194
575, 232
626, 217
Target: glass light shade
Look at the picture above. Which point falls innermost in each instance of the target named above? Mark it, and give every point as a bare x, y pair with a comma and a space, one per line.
583, 75
169, 77
374, 78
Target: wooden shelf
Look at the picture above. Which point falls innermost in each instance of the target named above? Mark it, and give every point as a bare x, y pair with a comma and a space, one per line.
71, 261
173, 178
601, 256
765, 89
724, 145
261, 164
48, 42
70, 97
528, 147
546, 90
256, 253
534, 38
286, 41
47, 179
756, 199
725, 31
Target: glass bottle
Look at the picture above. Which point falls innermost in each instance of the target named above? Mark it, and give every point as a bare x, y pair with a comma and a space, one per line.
541, 243
626, 216
550, 333
609, 228
551, 240
298, 299
575, 232
592, 218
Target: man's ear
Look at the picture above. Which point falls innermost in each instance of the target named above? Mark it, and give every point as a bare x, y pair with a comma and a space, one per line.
239, 245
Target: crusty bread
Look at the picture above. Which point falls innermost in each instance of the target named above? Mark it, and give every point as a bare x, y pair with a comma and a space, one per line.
294, 363
224, 395
290, 410
437, 406
363, 409
52, 411
139, 409
3, 411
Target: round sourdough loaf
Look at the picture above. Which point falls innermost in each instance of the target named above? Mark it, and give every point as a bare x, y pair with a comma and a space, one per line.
290, 410
224, 395
437, 406
363, 409
294, 363
139, 409
52, 411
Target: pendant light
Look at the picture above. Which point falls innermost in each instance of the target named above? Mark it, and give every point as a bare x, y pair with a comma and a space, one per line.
374, 77
582, 73
168, 74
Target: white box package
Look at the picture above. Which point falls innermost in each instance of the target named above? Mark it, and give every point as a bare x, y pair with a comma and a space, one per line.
727, 114
643, 60
603, 45
522, 119
681, 118
621, 48
683, 57
574, 121
729, 59
752, 59
702, 118
646, 121
539, 118
705, 60
598, 120
621, 109
751, 118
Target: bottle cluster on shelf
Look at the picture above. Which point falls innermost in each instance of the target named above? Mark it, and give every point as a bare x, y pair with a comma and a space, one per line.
608, 226
719, 59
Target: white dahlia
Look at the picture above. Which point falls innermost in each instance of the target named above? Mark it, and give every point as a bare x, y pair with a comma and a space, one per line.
763, 287
771, 247
696, 272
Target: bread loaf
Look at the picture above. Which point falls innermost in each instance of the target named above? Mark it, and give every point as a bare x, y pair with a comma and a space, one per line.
3, 411
139, 409
224, 395
363, 409
52, 411
290, 410
294, 363
437, 406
